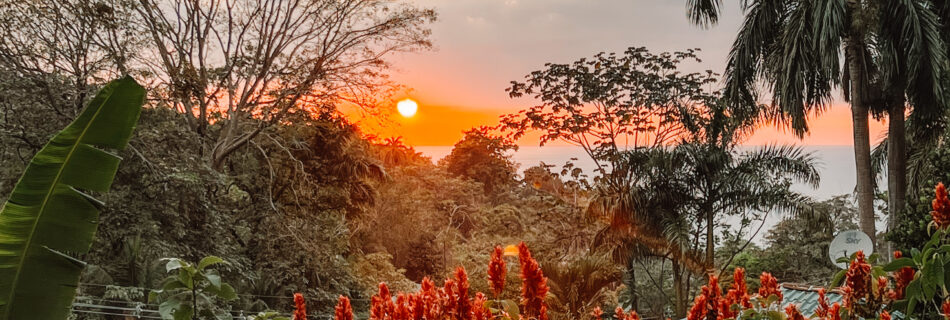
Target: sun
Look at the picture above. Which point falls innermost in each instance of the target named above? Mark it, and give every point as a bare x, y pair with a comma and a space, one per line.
407, 108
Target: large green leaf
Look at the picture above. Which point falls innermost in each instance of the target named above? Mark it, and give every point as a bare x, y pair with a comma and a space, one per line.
51, 215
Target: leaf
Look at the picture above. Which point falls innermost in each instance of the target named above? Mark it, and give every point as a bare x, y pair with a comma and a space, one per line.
838, 279
899, 263
173, 264
49, 210
209, 261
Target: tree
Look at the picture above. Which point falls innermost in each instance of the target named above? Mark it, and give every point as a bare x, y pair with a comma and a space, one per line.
251, 63
892, 51
482, 157
242, 65
609, 103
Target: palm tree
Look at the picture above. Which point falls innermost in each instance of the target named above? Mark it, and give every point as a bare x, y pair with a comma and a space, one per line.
578, 284
648, 217
893, 53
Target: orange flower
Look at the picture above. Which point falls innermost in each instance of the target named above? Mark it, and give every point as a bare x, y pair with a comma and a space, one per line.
792, 312
769, 286
534, 287
945, 308
300, 307
941, 207
858, 279
497, 271
597, 313
885, 315
619, 314
343, 309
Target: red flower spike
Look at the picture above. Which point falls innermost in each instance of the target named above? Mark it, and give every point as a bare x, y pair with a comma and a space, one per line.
792, 312
597, 314
885, 315
401, 310
698, 310
881, 286
897, 254
464, 303
300, 307
534, 287
945, 308
834, 313
619, 314
822, 310
633, 315
343, 309
479, 311
858, 279
769, 286
497, 271
941, 207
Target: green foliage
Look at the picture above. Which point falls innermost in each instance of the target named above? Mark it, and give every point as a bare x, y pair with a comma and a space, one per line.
193, 289
929, 285
50, 214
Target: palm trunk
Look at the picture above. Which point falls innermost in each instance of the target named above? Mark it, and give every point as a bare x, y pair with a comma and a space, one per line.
679, 305
896, 164
862, 137
710, 239
632, 286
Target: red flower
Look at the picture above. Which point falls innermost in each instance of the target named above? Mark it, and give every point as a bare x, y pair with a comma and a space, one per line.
858, 279
822, 310
633, 315
497, 271
534, 287
792, 312
885, 315
881, 287
449, 299
464, 303
479, 311
343, 309
902, 278
381, 304
300, 307
401, 310
698, 310
619, 314
945, 308
769, 286
597, 313
834, 313
941, 207
897, 254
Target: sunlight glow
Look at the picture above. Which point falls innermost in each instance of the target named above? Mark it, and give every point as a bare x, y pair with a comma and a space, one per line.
407, 108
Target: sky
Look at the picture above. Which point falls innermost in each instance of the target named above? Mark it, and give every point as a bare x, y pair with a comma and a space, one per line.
480, 46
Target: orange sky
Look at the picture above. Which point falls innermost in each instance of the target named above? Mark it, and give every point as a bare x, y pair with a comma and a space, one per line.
481, 45
443, 125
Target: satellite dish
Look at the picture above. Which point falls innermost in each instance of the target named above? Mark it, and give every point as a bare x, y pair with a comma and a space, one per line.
847, 243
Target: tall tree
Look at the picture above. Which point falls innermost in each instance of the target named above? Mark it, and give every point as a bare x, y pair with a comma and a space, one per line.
892, 50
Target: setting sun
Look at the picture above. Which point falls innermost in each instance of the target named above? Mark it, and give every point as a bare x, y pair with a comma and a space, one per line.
407, 108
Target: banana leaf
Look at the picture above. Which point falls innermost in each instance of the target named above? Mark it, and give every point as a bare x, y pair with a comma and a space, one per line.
52, 215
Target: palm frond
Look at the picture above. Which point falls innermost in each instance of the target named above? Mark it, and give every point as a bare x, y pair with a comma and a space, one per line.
703, 13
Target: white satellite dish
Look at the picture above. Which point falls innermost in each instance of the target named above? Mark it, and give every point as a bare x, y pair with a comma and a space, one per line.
847, 243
